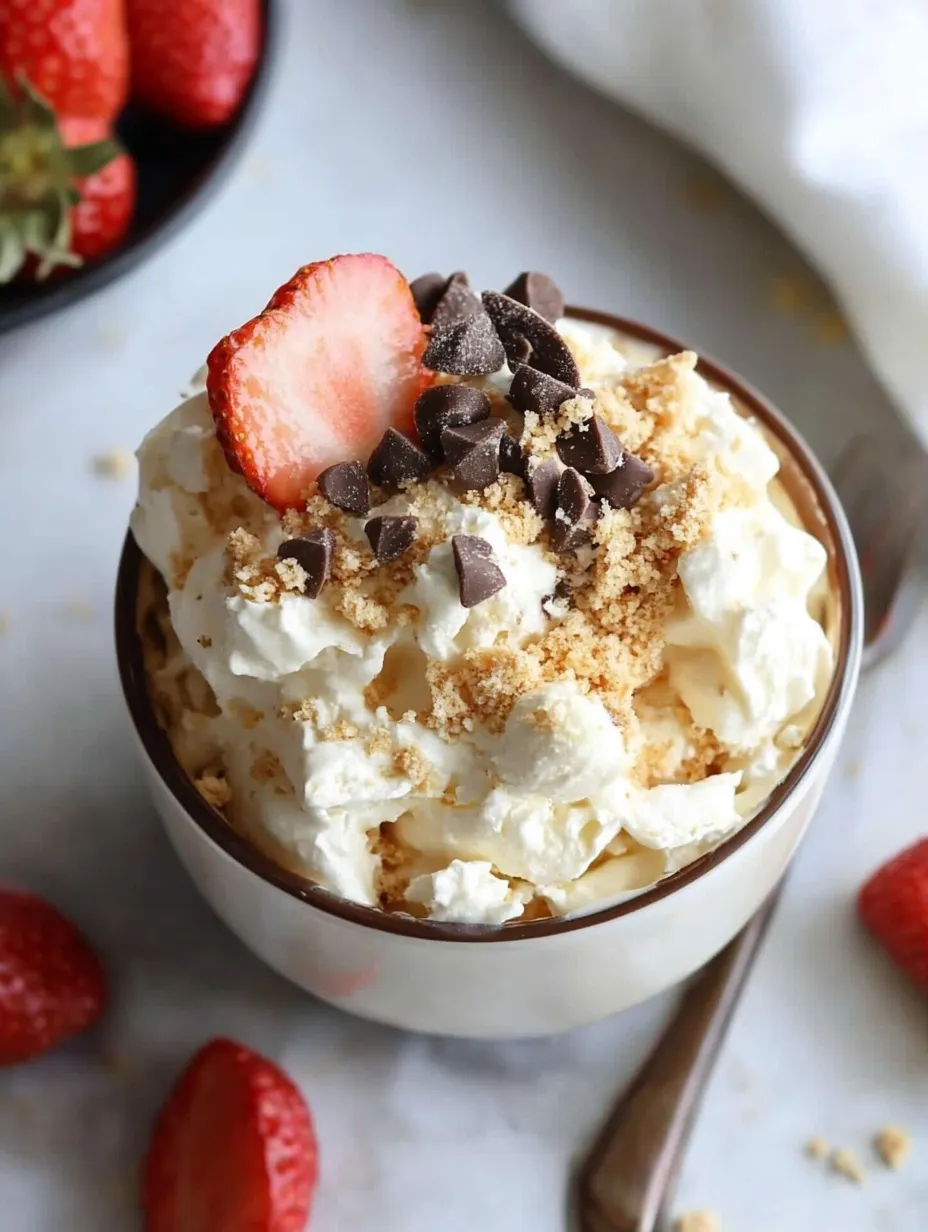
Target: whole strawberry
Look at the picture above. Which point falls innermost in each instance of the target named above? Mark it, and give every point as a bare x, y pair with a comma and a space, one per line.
192, 60
74, 53
233, 1148
52, 985
893, 905
101, 217
67, 189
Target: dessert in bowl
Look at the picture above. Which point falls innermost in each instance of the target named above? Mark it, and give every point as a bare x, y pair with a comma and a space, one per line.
466, 621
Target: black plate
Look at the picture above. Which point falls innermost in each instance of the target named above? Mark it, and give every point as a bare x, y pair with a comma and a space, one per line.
177, 173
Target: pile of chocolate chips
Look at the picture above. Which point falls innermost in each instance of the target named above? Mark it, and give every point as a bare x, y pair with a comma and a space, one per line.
473, 335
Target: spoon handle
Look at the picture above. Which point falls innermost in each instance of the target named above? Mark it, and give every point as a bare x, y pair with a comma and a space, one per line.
632, 1168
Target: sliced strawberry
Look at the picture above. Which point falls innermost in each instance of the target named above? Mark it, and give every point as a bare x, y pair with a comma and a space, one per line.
331, 363
233, 1148
893, 905
52, 985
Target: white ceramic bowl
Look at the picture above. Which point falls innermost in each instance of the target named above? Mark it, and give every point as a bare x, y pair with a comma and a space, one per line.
522, 979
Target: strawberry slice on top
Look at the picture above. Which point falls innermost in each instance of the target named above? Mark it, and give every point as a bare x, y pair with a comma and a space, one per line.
317, 378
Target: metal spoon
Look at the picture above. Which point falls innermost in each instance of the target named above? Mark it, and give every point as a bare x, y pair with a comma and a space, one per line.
626, 1182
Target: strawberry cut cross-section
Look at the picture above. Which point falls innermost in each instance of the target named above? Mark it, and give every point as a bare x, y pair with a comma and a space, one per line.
317, 378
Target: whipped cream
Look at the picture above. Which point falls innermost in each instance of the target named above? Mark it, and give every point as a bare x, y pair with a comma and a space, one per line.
354, 753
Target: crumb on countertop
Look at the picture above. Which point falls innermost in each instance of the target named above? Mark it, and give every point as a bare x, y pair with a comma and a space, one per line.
214, 788
817, 1147
893, 1146
116, 463
845, 1163
698, 1221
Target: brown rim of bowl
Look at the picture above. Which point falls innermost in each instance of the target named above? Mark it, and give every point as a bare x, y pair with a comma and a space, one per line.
220, 832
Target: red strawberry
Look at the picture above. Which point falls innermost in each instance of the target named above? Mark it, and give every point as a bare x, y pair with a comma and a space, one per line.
67, 189
75, 53
893, 905
51, 983
102, 216
318, 377
192, 60
233, 1148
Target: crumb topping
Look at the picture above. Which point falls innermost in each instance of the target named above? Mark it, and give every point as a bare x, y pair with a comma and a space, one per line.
618, 592
893, 1146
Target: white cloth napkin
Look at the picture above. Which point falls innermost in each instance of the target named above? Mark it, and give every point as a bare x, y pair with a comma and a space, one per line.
818, 109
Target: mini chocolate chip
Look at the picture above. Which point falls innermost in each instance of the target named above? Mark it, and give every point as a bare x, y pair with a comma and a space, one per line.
345, 486
511, 457
456, 302
444, 406
517, 325
473, 451
479, 577
592, 447
469, 347
459, 440
541, 480
390, 537
397, 461
313, 553
427, 290
623, 486
575, 511
532, 390
519, 353
573, 499
539, 292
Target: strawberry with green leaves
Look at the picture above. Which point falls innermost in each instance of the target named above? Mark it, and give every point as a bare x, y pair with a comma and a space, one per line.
67, 189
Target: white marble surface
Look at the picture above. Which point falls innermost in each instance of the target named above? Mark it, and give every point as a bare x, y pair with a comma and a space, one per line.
435, 133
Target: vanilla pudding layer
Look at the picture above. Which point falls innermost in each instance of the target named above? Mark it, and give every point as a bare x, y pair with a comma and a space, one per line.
608, 716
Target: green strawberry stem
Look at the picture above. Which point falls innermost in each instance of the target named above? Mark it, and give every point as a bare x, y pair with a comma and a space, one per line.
39, 180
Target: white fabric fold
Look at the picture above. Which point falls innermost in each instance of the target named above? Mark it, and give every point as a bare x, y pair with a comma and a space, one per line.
818, 111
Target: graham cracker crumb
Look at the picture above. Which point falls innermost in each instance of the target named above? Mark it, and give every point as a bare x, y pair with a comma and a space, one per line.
507, 500
214, 789
364, 612
893, 1146
845, 1163
341, 729
413, 765
116, 463
266, 767
249, 716
291, 573
817, 1148
379, 741
306, 711
698, 1221
180, 566
452, 706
